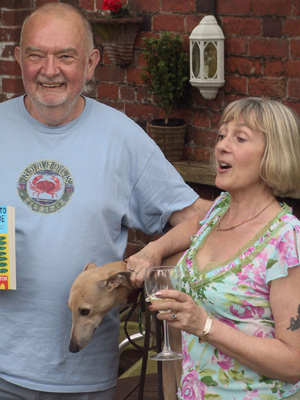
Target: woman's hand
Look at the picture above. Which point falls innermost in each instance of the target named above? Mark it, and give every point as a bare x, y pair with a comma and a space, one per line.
189, 316
149, 256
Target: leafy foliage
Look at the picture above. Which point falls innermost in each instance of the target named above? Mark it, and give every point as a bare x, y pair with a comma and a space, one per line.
167, 72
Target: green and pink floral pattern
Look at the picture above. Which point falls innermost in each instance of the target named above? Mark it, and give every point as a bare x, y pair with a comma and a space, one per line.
236, 293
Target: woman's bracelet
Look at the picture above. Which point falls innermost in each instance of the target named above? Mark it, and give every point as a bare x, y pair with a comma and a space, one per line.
206, 330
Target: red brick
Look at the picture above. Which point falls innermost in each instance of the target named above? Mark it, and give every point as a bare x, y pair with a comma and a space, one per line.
141, 60
110, 73
296, 9
234, 7
272, 27
242, 66
117, 105
241, 26
9, 68
235, 84
232, 97
15, 4
139, 40
267, 87
206, 7
292, 68
13, 17
127, 93
188, 153
201, 119
183, 113
201, 154
291, 27
191, 22
295, 47
10, 85
215, 121
141, 111
201, 137
147, 6
186, 6
87, 5
274, 68
108, 90
41, 2
271, 7
8, 51
268, 47
294, 89
143, 95
236, 45
172, 23
295, 105
10, 34
134, 76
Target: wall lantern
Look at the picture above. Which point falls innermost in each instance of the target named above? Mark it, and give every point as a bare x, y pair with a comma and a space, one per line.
207, 57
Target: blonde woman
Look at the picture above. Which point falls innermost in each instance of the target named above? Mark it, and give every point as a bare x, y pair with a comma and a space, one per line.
239, 308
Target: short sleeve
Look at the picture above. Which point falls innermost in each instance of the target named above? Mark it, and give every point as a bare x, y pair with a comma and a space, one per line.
284, 252
159, 192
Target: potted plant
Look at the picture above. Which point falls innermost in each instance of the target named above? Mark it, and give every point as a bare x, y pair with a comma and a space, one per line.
116, 28
166, 76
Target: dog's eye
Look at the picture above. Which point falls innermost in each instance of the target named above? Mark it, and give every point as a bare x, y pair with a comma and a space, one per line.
84, 311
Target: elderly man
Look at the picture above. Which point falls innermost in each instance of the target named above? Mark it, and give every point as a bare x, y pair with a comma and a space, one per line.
79, 174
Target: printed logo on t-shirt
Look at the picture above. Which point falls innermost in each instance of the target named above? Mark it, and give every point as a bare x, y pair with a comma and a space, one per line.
45, 186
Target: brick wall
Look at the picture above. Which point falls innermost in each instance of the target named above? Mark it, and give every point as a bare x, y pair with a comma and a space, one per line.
262, 58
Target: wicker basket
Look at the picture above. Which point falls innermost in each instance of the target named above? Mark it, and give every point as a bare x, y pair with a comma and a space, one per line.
170, 139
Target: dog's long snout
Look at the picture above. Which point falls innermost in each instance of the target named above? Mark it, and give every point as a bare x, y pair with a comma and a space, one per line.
74, 347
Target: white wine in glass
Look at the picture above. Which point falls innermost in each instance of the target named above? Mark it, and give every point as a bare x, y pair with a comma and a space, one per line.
160, 278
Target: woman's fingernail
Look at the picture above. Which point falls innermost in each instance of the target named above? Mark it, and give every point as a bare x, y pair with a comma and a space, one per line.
158, 294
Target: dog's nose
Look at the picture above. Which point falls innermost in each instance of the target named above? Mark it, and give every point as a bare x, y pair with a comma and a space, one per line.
74, 348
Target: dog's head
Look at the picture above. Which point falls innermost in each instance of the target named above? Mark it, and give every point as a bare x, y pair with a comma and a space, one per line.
95, 292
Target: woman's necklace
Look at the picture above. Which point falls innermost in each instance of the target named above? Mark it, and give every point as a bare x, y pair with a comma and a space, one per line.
241, 223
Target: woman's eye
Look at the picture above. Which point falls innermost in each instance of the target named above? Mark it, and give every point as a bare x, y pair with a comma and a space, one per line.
220, 137
241, 139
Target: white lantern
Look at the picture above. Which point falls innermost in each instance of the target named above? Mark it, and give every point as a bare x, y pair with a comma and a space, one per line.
207, 57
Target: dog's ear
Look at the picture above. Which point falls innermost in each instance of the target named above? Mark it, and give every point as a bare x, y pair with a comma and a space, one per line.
89, 266
114, 281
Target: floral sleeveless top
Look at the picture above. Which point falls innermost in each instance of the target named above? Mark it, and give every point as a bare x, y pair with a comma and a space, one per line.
236, 293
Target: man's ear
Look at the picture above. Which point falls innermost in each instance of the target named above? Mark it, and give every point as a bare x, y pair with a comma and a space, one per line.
92, 63
114, 281
17, 54
89, 266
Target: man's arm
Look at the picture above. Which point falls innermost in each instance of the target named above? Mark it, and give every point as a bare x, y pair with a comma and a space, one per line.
176, 240
199, 207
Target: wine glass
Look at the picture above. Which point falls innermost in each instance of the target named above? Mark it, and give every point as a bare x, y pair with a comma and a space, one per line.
159, 278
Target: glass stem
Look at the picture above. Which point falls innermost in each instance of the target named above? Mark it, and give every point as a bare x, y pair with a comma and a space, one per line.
166, 337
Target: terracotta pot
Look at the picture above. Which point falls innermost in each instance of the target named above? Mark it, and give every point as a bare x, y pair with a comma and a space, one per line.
117, 36
170, 138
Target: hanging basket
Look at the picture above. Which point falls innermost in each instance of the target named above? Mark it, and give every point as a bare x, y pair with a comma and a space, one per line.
170, 138
117, 36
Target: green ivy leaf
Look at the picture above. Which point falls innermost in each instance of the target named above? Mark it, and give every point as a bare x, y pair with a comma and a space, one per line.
270, 263
208, 381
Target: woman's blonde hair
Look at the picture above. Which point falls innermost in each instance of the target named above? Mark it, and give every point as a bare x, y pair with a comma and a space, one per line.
280, 166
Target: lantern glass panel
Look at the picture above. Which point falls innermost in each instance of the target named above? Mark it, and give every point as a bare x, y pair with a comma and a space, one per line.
196, 60
210, 60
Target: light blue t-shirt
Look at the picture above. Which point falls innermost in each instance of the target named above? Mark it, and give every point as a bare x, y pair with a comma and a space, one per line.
77, 188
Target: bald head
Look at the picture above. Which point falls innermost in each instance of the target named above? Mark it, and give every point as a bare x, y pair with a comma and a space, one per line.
62, 11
